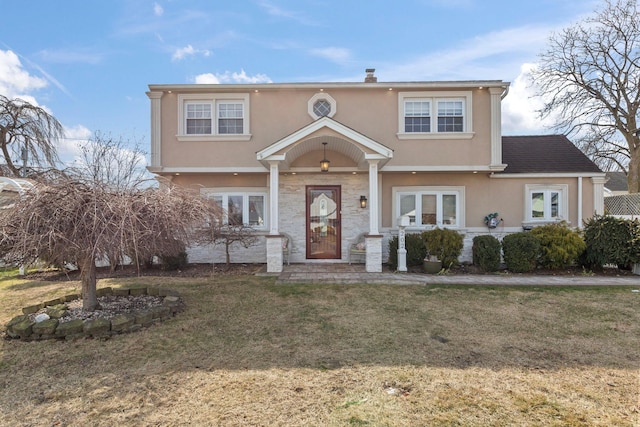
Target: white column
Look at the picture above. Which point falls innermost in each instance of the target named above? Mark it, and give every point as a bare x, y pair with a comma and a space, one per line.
598, 194
579, 202
273, 197
156, 133
496, 128
374, 204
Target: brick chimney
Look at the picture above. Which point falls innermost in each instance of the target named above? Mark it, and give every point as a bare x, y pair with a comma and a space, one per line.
370, 78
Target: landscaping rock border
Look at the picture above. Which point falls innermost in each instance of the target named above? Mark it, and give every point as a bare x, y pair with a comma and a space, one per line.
24, 327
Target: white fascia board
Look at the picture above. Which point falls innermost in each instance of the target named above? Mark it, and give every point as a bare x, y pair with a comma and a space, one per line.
549, 175
209, 170
347, 132
463, 84
439, 168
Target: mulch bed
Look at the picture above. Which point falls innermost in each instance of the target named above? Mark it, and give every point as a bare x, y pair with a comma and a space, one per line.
191, 270
206, 270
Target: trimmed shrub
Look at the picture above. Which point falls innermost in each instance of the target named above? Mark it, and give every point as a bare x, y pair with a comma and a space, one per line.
174, 262
415, 250
560, 246
611, 240
486, 252
445, 244
520, 251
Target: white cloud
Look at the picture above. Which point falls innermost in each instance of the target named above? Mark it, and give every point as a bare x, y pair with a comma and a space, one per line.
483, 57
157, 9
520, 107
335, 54
65, 56
278, 12
228, 77
182, 52
15, 81
69, 147
188, 50
208, 78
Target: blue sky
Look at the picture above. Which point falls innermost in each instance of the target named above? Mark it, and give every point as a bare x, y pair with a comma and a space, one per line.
89, 62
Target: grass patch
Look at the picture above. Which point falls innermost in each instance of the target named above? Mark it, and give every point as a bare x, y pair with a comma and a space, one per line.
249, 352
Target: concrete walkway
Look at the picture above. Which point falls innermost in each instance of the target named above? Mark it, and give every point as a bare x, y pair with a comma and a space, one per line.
353, 274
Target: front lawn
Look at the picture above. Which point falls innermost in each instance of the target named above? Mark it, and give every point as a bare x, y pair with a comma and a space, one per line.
249, 352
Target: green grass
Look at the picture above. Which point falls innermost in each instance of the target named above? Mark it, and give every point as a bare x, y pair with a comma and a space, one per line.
249, 352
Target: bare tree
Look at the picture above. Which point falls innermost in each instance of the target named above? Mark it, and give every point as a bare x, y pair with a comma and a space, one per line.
103, 208
74, 221
113, 162
589, 78
219, 230
229, 234
28, 133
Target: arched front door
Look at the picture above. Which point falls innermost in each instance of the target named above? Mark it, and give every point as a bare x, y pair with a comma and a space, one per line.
324, 233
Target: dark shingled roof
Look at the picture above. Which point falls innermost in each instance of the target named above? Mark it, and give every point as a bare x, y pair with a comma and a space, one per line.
544, 154
617, 181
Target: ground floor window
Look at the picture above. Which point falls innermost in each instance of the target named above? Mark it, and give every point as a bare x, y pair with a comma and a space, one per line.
430, 206
546, 202
242, 208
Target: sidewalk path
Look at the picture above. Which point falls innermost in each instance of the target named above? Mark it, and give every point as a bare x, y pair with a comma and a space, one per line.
346, 274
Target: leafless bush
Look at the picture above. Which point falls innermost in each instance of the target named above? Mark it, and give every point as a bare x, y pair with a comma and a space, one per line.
73, 221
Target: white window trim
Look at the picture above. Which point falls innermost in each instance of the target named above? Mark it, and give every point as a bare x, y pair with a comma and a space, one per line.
460, 205
434, 97
213, 99
563, 209
245, 192
321, 96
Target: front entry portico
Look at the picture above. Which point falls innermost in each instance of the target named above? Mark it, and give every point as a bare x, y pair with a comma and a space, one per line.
292, 160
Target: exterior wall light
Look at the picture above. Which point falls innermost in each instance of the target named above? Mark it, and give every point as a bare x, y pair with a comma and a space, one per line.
363, 202
324, 163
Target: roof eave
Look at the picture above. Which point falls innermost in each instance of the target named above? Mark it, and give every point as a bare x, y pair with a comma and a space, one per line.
329, 85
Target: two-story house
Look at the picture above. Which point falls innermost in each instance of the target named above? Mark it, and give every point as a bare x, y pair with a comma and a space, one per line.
321, 163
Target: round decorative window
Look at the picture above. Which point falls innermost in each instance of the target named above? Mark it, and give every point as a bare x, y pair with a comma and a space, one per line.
321, 105
322, 108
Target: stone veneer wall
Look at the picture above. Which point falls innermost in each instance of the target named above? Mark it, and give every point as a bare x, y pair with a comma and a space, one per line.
355, 220
24, 328
205, 254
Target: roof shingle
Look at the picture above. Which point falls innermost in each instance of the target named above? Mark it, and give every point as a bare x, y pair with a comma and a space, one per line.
544, 154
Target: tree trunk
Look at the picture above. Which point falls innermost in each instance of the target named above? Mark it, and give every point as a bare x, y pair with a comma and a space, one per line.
88, 280
633, 174
7, 156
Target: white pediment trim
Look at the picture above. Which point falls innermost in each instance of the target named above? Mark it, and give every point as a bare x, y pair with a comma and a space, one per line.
378, 150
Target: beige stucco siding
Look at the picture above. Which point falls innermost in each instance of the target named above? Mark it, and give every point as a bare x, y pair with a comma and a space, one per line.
276, 113
484, 195
221, 180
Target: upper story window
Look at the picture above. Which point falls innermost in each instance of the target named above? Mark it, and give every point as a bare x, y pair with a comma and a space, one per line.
198, 119
546, 203
430, 206
450, 116
213, 117
230, 117
417, 116
321, 105
434, 115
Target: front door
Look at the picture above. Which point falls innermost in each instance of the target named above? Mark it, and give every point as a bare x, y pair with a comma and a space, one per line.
323, 222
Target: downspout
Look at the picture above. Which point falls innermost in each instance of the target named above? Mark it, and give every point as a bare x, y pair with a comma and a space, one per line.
505, 92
